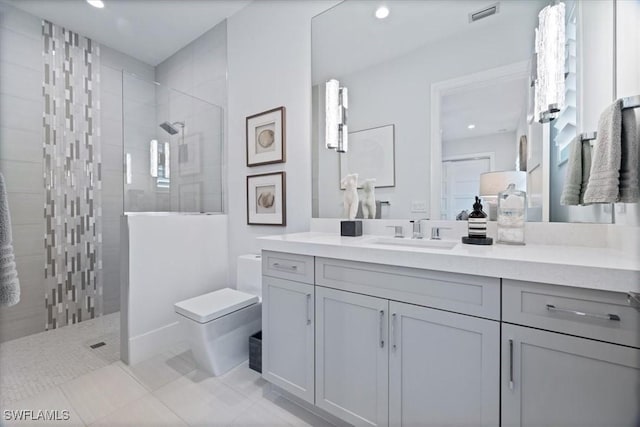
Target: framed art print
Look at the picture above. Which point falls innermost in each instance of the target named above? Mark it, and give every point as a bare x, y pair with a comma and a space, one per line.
371, 155
266, 199
266, 137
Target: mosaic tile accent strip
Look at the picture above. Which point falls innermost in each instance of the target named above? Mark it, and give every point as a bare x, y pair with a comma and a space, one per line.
72, 177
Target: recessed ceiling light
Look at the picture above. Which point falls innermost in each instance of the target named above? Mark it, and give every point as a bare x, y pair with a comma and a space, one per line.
96, 3
471, 126
382, 12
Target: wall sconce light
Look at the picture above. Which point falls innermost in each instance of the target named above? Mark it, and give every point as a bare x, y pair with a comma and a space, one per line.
336, 105
550, 62
153, 158
167, 160
128, 167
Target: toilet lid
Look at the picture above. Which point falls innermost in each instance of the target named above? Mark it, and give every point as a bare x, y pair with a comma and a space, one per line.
211, 306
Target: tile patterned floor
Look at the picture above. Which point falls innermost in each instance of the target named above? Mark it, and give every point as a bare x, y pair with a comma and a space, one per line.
57, 371
38, 362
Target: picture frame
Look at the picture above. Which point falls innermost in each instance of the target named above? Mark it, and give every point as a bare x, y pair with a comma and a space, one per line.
371, 155
266, 199
266, 137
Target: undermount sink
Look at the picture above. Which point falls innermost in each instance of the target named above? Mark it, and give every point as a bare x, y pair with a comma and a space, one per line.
415, 243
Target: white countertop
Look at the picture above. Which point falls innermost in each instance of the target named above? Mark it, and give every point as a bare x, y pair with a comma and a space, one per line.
584, 267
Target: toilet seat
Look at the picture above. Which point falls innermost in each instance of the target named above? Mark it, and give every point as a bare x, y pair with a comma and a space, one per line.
211, 306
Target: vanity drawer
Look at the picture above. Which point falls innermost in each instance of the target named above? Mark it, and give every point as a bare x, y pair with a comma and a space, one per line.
601, 315
461, 293
288, 266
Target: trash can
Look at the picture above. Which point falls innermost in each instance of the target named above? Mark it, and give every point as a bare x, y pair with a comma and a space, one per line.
255, 351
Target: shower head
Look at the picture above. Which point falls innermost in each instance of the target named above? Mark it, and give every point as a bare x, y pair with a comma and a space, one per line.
170, 128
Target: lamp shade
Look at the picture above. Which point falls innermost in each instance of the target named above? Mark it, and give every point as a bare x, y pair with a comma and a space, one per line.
492, 183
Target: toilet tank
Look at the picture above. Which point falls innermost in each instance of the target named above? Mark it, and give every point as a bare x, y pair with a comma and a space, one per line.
249, 274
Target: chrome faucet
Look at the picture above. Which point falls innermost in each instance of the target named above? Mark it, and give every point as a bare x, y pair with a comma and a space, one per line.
435, 232
417, 228
398, 231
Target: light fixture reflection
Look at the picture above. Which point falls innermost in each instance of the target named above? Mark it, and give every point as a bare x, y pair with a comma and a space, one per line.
336, 105
167, 160
96, 3
382, 12
471, 126
550, 62
153, 158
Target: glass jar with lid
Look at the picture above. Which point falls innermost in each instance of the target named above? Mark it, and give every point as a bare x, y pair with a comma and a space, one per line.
512, 215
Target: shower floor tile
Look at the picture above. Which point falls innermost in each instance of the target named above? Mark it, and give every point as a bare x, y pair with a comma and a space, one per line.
39, 362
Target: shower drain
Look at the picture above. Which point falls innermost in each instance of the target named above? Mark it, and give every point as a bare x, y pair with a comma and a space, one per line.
98, 345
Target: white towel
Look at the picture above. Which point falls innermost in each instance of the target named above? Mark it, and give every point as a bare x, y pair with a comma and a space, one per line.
604, 179
9, 283
578, 170
630, 161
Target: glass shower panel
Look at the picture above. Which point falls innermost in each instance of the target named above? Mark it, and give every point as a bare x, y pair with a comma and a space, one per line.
172, 150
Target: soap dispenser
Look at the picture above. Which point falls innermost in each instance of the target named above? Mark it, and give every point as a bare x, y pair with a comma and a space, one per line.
477, 225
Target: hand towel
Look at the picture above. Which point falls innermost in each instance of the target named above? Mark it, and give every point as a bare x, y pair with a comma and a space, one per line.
630, 161
9, 283
604, 178
573, 192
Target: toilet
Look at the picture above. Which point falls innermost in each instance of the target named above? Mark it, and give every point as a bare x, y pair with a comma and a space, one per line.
218, 324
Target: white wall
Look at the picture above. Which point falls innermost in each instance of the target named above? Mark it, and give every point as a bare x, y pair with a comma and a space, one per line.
170, 258
269, 66
398, 92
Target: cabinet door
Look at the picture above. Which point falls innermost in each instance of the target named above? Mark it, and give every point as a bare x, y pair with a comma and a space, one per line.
352, 361
444, 368
550, 379
287, 336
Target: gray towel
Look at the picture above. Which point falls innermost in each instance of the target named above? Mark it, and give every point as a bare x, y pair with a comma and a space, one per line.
9, 283
604, 179
578, 170
630, 162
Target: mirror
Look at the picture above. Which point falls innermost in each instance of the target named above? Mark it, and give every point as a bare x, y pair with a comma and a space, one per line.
452, 83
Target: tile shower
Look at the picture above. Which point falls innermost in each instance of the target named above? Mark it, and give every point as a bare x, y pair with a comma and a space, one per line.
75, 135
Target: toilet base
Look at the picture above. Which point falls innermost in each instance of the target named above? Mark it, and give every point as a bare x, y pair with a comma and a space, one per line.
222, 344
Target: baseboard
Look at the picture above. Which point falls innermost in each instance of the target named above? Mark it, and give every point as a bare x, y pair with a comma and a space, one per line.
147, 345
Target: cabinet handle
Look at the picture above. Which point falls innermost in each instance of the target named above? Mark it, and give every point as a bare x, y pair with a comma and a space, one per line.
308, 309
393, 331
510, 364
381, 329
607, 316
279, 266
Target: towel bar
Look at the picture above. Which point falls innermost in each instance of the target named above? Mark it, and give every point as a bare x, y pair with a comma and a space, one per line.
588, 136
631, 102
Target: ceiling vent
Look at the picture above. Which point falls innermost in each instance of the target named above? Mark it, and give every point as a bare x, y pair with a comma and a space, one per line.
484, 12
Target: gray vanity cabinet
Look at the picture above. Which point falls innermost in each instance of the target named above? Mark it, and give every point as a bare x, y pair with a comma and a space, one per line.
551, 379
444, 368
288, 335
352, 361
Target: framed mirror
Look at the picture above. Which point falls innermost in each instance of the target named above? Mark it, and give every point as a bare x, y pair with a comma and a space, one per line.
454, 79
